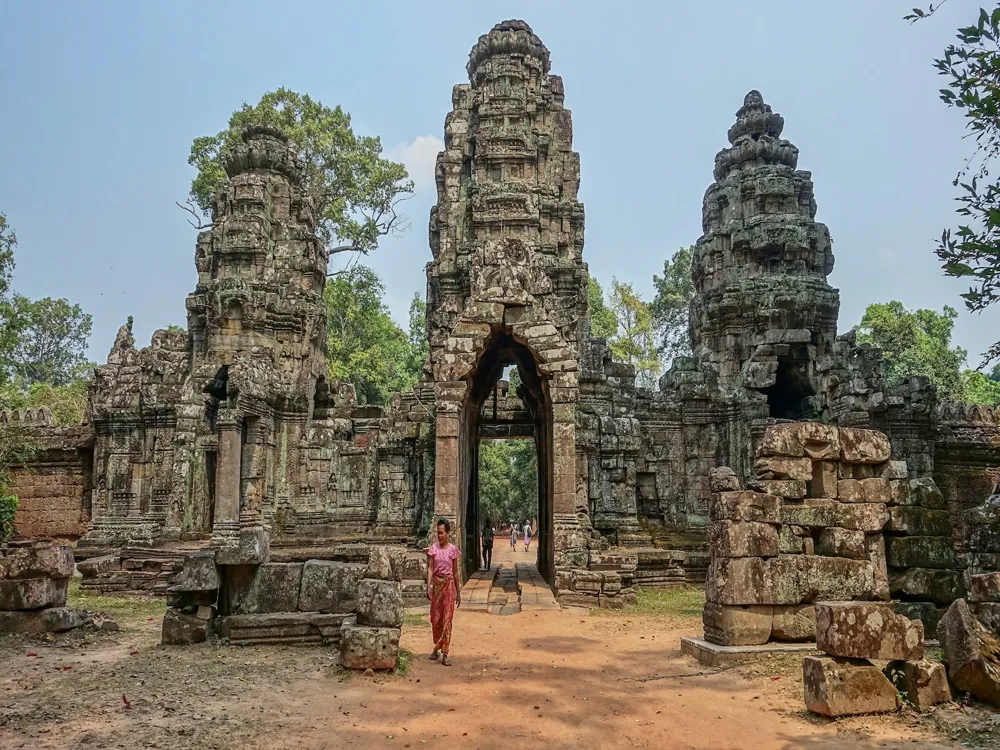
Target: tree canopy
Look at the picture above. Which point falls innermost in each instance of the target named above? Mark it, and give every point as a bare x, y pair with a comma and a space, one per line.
602, 320
365, 346
356, 190
972, 69
633, 341
508, 480
670, 307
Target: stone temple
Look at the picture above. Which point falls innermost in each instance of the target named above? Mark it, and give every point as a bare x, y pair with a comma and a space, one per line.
230, 437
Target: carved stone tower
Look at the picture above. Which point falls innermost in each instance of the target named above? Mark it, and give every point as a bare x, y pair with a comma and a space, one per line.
507, 285
763, 313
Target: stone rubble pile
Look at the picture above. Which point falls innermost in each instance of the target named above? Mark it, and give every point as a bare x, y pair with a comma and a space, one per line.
845, 682
33, 584
357, 607
972, 652
809, 529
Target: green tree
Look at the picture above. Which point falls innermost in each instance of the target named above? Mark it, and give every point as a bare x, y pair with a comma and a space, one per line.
979, 388
633, 341
418, 337
671, 305
66, 402
602, 320
8, 241
972, 69
51, 340
916, 343
355, 189
365, 346
508, 480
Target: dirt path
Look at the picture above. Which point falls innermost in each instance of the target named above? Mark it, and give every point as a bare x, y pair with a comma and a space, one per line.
567, 679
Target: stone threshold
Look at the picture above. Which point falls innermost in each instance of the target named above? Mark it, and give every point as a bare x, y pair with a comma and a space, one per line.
714, 655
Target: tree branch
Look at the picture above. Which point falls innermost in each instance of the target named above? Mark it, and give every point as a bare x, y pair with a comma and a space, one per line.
191, 208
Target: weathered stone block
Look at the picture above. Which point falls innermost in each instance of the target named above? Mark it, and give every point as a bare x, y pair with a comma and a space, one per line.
198, 573
329, 586
864, 446
837, 542
924, 584
876, 490
988, 613
751, 580
921, 552
914, 521
811, 439
845, 687
812, 513
368, 647
834, 579
984, 587
925, 493
263, 589
380, 603
745, 506
96, 566
52, 620
777, 467
824, 479
736, 626
892, 470
923, 682
927, 612
971, 653
180, 629
742, 539
33, 593
43, 560
253, 547
849, 491
793, 489
794, 623
386, 563
723, 479
790, 542
867, 630
899, 492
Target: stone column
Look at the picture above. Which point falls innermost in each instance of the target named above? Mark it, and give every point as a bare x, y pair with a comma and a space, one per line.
225, 530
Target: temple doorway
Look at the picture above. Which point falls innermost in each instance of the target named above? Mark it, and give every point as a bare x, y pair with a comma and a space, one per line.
507, 402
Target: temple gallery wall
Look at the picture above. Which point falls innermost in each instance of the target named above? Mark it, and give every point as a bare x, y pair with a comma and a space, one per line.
230, 438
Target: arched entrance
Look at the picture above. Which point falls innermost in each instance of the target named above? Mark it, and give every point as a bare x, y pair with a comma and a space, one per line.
478, 421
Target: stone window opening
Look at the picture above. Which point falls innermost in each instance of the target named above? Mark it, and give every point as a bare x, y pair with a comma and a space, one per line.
494, 173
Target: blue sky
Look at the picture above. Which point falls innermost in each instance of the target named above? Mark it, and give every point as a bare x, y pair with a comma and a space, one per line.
102, 99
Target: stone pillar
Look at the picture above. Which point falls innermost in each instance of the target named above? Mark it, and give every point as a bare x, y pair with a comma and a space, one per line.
447, 474
225, 530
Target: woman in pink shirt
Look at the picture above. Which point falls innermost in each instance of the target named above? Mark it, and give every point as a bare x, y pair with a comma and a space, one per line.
443, 589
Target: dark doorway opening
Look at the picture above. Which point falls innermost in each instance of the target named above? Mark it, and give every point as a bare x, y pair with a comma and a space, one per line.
526, 415
791, 395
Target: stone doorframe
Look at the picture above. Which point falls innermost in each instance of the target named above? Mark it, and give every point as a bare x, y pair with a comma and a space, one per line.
456, 437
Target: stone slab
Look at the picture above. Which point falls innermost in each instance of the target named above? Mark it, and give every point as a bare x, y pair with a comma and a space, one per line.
715, 655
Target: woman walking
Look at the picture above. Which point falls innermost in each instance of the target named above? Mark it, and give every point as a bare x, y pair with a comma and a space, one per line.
513, 536
527, 536
443, 589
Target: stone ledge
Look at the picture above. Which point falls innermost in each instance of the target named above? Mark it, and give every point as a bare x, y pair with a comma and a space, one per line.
713, 655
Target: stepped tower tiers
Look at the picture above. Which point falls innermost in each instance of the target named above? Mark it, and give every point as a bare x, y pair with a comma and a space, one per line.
507, 283
763, 313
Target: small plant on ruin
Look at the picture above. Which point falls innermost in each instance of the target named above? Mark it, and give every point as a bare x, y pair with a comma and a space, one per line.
8, 504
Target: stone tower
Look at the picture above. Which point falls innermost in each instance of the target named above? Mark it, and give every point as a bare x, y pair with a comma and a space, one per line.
507, 283
763, 313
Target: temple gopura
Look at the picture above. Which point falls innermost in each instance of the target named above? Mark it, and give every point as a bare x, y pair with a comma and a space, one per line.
231, 435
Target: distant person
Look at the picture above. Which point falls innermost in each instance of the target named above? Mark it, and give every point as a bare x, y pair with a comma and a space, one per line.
443, 589
527, 536
513, 536
488, 544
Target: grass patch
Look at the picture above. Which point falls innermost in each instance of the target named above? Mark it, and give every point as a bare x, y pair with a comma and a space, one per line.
683, 602
404, 658
122, 609
416, 620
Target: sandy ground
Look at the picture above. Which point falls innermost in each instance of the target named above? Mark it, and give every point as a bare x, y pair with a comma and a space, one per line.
565, 679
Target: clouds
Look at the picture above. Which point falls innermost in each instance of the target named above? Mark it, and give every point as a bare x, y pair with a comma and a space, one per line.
418, 155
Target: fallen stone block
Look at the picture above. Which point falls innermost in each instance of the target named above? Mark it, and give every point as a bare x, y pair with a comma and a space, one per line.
837, 542
792, 489
923, 682
924, 584
291, 628
33, 593
364, 647
180, 629
925, 493
745, 506
742, 539
793, 623
777, 467
921, 552
43, 560
198, 573
867, 630
834, 579
97, 566
846, 687
380, 603
723, 479
386, 563
261, 589
859, 446
736, 626
927, 612
988, 613
52, 620
814, 440
972, 653
253, 547
913, 521
329, 586
985, 587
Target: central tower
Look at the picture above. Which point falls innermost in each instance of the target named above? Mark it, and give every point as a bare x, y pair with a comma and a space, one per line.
507, 283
